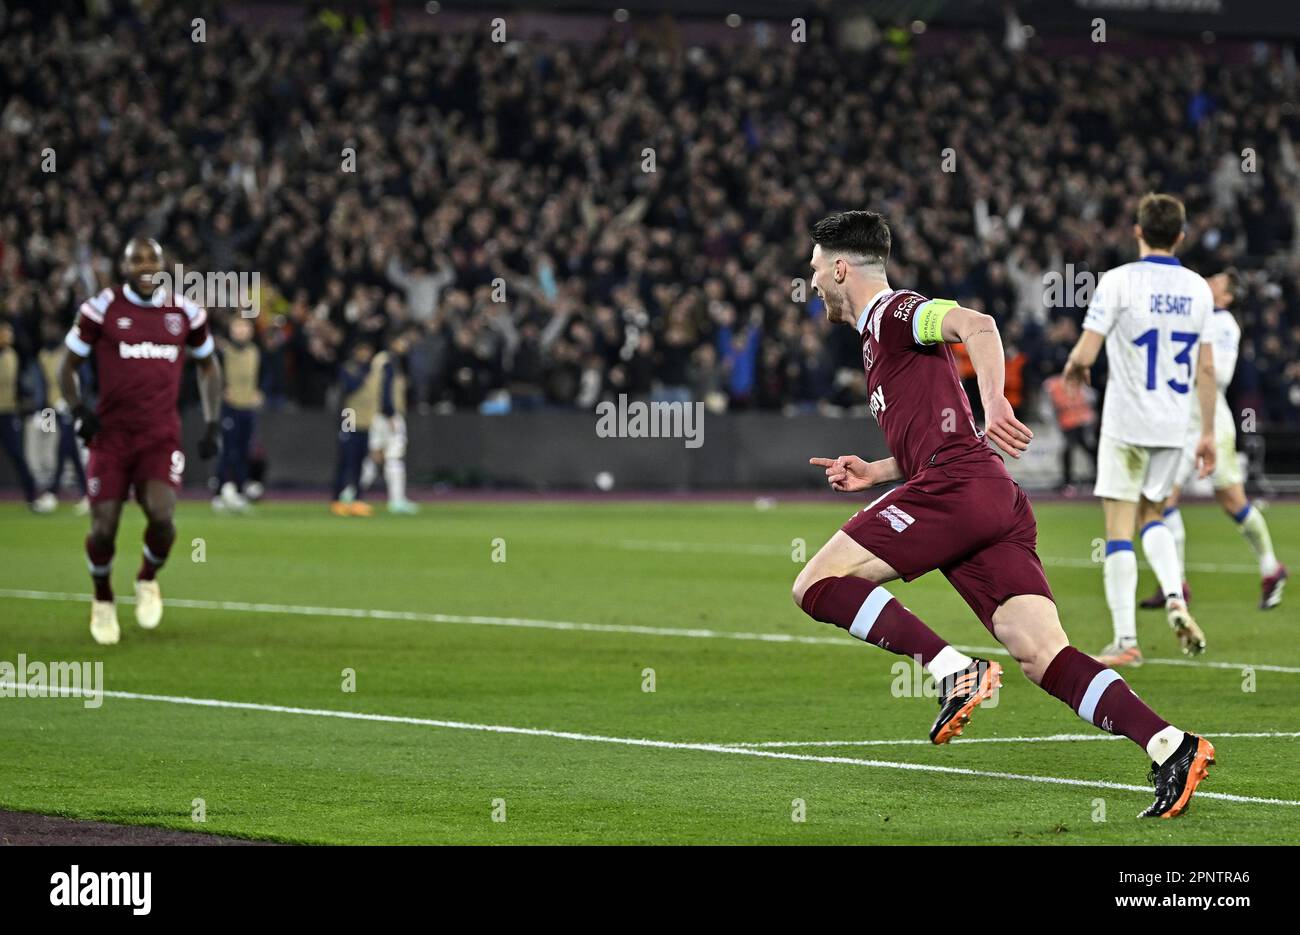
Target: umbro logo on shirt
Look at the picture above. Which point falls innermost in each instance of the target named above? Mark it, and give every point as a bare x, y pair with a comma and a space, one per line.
899, 520
124, 323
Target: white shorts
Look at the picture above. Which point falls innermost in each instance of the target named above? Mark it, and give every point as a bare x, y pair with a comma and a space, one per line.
1127, 472
389, 436
1227, 466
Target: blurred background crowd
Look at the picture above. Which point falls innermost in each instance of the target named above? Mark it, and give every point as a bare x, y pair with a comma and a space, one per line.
552, 223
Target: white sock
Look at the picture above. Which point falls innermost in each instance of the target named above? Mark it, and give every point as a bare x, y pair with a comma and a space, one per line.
369, 474
1162, 556
1174, 520
1162, 746
1255, 529
395, 478
1120, 575
945, 662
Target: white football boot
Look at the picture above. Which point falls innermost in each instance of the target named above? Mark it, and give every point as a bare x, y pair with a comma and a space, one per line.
148, 604
233, 500
1189, 634
103, 623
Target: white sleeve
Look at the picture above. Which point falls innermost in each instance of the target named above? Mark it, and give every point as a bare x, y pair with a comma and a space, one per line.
1104, 306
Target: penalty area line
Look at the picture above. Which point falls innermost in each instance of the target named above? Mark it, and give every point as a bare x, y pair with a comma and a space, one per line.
415, 616
724, 749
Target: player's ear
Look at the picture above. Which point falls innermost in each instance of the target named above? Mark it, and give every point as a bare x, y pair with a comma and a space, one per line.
841, 269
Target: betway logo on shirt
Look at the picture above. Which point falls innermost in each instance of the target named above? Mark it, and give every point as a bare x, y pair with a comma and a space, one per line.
148, 350
878, 402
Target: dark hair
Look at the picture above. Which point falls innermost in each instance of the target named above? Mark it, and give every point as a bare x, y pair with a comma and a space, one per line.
1233, 275
864, 233
1161, 218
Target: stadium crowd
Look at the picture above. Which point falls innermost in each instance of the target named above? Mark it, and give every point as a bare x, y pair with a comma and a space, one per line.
552, 223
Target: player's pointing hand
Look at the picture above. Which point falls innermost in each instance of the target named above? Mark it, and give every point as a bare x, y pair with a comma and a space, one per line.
1005, 430
845, 473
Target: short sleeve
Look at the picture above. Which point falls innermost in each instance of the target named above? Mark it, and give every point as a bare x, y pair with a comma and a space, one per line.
1204, 310
1103, 307
199, 340
927, 323
894, 328
89, 324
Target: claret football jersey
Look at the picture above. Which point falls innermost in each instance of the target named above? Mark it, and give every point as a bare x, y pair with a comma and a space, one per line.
139, 349
915, 393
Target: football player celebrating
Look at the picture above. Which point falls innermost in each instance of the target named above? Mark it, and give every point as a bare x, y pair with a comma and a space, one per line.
138, 334
958, 511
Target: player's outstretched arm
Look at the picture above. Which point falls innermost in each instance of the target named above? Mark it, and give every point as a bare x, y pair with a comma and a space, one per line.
210, 400
1078, 367
87, 423
979, 333
1206, 451
849, 472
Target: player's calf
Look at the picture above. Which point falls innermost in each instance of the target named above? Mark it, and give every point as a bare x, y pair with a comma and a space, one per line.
159, 535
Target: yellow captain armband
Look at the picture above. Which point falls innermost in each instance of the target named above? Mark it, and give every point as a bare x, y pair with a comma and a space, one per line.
927, 323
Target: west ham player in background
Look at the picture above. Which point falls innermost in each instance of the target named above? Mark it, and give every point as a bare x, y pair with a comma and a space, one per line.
1150, 314
958, 511
1223, 334
138, 334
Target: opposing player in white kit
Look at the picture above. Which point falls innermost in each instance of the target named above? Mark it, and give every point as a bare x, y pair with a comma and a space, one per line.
1151, 315
1223, 334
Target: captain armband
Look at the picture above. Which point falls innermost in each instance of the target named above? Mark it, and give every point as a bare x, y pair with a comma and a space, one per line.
927, 323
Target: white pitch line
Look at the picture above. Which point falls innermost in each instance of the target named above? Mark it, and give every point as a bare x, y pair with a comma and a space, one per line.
728, 548
415, 616
656, 744
1050, 738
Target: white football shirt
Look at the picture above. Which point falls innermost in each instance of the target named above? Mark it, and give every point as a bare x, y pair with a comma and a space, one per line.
1153, 314
1224, 335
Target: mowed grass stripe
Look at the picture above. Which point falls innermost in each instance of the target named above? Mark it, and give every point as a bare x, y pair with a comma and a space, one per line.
415, 616
658, 744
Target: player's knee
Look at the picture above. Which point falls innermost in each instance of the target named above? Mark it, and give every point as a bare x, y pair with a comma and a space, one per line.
103, 533
1042, 649
800, 587
161, 528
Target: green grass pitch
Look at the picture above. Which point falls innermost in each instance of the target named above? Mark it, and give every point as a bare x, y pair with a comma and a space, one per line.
488, 644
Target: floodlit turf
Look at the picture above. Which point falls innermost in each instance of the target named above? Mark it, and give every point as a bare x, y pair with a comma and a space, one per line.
715, 569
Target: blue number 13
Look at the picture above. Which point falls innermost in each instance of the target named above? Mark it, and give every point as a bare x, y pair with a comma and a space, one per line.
1151, 341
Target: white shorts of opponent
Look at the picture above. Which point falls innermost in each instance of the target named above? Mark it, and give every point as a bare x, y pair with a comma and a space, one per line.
1127, 472
1227, 465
